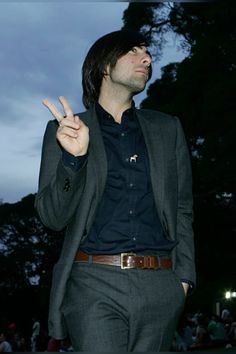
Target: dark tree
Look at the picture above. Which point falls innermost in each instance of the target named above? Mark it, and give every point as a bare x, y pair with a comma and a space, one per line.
28, 252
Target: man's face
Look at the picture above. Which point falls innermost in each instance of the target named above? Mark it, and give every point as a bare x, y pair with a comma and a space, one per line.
131, 70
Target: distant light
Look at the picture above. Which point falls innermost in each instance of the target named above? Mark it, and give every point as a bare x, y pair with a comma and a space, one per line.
230, 294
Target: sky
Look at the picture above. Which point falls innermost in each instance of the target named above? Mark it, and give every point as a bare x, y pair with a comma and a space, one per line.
43, 45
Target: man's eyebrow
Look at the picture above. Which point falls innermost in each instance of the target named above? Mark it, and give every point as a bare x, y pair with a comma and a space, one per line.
144, 45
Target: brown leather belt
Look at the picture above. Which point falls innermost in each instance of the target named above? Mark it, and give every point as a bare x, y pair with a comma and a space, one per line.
126, 260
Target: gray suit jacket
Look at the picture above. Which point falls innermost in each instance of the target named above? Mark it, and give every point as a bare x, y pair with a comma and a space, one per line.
70, 199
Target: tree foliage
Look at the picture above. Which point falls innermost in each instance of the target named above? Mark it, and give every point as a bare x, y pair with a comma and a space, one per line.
150, 19
28, 251
200, 90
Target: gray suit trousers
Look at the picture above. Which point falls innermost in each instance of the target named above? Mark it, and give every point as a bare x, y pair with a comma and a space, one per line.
108, 309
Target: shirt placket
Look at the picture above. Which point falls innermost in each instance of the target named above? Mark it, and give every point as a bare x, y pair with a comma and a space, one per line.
130, 157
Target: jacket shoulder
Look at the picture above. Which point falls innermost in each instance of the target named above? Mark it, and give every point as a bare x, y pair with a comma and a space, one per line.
52, 125
154, 115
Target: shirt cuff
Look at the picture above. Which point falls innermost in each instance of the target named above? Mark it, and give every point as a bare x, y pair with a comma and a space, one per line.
74, 162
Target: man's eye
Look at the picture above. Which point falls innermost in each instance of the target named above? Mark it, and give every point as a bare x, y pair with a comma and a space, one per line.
134, 50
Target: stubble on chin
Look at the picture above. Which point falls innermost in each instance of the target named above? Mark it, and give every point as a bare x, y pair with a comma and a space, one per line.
137, 86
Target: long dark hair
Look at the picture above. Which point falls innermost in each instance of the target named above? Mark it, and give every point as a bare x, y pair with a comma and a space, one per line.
106, 51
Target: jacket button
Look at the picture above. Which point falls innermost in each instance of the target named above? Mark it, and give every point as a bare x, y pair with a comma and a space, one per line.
67, 185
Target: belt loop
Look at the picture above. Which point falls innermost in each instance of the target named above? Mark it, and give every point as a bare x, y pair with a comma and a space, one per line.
90, 259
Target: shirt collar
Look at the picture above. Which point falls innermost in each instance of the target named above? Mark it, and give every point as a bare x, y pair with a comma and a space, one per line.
104, 116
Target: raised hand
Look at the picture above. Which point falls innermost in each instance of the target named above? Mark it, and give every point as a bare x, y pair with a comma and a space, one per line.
72, 133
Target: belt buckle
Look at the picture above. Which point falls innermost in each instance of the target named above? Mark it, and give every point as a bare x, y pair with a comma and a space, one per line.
129, 266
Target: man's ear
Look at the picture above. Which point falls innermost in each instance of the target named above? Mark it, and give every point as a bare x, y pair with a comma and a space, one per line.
106, 71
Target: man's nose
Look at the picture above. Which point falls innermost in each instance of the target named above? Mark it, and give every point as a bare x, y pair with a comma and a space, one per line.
146, 59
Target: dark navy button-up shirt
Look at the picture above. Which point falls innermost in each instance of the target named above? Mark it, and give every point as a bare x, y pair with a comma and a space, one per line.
127, 218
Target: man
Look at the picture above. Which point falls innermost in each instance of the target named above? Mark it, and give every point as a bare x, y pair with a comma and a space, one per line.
119, 180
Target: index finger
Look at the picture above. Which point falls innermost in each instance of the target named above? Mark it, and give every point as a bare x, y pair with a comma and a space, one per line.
56, 114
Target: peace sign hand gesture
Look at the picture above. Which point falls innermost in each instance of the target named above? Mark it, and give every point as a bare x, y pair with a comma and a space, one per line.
72, 133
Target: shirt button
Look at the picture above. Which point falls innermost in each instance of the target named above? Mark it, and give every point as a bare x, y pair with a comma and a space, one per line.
131, 185
122, 134
127, 159
134, 238
131, 212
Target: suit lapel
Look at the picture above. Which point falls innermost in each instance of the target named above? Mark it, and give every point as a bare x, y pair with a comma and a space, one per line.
152, 132
97, 163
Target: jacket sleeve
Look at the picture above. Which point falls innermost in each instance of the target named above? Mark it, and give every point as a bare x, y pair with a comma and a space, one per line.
60, 187
185, 263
